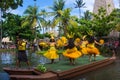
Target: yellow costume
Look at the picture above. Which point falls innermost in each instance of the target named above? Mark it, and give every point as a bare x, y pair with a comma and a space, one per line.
83, 47
21, 45
91, 49
72, 53
52, 52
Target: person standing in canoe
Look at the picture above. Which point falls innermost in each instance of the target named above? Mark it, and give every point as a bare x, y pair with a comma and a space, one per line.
22, 56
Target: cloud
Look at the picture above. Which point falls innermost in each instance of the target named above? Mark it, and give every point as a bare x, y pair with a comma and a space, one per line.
116, 3
17, 12
89, 5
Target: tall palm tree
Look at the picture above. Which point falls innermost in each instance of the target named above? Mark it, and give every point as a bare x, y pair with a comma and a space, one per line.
43, 14
79, 4
57, 7
32, 18
49, 24
67, 21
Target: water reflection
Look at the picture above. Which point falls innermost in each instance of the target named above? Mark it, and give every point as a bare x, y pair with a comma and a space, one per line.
39, 59
106, 73
6, 58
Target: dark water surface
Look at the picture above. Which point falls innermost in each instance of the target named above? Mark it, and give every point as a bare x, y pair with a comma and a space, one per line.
8, 59
110, 72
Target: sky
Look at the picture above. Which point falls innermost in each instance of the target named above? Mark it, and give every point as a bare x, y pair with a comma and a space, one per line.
44, 4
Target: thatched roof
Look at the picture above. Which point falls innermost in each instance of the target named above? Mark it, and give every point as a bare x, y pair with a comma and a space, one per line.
6, 39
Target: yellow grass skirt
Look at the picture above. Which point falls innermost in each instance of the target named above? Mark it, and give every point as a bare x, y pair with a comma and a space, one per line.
84, 50
93, 50
72, 53
51, 53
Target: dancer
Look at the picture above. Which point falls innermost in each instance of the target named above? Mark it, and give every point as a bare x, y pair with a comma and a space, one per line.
92, 49
83, 46
52, 52
72, 53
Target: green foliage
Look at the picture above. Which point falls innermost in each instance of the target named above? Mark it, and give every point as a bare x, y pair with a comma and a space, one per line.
41, 68
12, 27
116, 17
102, 23
13, 4
41, 36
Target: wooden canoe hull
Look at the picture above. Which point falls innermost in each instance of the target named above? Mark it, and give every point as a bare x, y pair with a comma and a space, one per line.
32, 74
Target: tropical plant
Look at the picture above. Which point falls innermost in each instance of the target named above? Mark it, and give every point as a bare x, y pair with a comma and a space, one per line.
101, 22
41, 68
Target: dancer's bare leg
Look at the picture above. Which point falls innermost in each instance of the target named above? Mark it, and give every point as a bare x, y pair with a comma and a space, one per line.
90, 57
94, 57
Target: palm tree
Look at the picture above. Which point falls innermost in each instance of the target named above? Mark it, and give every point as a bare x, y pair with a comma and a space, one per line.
67, 21
79, 4
49, 24
57, 7
32, 18
87, 15
43, 14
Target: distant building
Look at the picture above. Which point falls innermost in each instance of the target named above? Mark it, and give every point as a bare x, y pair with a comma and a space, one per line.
107, 4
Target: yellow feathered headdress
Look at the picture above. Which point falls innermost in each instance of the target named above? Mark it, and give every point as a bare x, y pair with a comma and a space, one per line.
84, 37
70, 35
52, 36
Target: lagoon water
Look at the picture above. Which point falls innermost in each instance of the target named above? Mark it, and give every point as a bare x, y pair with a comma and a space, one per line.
110, 72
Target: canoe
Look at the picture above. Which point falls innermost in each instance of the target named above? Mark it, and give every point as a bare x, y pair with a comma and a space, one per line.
33, 74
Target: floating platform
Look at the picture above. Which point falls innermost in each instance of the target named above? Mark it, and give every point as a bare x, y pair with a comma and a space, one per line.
33, 74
